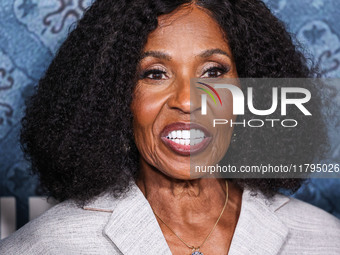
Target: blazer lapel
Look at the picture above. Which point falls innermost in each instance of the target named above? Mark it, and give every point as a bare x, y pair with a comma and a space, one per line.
133, 227
259, 230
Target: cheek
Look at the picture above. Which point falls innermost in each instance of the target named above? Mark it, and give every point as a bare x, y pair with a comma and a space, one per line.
146, 107
226, 110
224, 132
144, 115
145, 111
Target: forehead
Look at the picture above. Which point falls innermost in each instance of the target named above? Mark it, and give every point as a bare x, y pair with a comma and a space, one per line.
187, 25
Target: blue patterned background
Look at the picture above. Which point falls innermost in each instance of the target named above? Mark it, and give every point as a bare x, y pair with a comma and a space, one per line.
32, 30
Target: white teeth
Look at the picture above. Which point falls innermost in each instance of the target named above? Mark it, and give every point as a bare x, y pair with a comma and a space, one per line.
186, 134
196, 141
186, 137
173, 134
196, 133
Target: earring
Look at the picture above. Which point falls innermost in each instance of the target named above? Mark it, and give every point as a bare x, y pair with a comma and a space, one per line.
126, 148
233, 138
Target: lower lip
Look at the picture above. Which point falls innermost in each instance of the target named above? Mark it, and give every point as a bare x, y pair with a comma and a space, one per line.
187, 150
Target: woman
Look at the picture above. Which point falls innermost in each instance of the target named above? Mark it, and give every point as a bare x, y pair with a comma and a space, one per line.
98, 133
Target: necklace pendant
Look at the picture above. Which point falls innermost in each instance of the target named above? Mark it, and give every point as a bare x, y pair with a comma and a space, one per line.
197, 253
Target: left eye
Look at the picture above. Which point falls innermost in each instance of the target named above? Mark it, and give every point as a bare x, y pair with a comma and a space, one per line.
214, 72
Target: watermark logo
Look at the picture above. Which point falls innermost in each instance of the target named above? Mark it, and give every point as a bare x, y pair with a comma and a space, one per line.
239, 99
277, 97
204, 96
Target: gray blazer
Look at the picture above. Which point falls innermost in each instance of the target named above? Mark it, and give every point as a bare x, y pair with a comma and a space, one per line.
128, 226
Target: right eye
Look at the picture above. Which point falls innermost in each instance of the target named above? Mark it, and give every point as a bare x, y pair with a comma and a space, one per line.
154, 74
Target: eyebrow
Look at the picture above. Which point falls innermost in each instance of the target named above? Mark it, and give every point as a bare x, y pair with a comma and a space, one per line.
210, 52
156, 54
165, 56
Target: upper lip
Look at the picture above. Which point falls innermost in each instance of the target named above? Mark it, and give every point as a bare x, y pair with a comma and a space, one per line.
184, 126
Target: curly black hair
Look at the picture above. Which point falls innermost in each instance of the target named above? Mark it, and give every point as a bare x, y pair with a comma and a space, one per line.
77, 131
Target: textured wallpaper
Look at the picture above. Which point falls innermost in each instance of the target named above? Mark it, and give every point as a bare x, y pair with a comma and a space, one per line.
32, 30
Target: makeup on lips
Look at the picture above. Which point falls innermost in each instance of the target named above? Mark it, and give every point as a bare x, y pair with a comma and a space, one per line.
186, 138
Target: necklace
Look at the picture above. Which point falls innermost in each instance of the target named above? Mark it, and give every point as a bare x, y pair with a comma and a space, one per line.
196, 250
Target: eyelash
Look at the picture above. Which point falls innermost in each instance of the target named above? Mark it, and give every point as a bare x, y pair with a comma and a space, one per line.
146, 73
221, 69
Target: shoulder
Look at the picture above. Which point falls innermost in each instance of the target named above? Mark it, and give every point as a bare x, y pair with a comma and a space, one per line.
308, 216
309, 226
299, 227
62, 229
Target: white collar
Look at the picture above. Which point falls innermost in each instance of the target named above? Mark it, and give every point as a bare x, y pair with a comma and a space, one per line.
134, 229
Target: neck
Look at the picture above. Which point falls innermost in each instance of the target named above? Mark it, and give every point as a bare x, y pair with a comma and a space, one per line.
191, 208
186, 202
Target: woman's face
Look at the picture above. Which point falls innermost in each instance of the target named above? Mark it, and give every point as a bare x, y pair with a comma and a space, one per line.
187, 44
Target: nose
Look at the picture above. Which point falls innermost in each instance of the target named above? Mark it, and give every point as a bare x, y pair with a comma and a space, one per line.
184, 96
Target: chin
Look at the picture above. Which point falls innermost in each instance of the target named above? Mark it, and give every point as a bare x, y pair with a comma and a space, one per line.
184, 174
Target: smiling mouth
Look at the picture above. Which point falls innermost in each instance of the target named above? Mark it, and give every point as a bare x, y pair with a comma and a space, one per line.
186, 138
